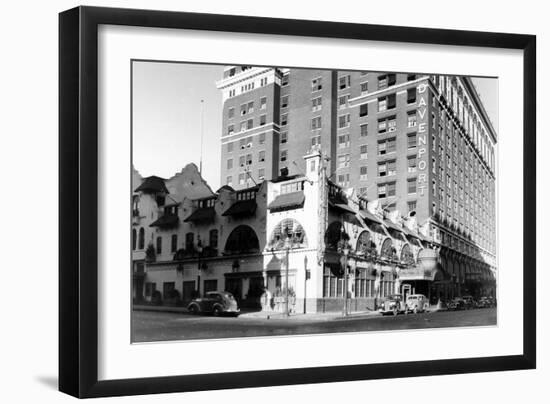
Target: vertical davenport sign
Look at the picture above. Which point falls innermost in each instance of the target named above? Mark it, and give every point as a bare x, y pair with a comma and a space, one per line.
422, 139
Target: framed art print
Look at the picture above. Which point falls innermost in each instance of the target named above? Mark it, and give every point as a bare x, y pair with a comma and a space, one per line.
249, 202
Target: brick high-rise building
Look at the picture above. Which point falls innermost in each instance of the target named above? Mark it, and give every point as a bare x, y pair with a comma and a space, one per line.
421, 144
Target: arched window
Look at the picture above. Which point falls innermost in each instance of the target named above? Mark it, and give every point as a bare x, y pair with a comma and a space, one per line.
365, 245
407, 256
288, 228
335, 232
242, 240
388, 251
134, 239
141, 241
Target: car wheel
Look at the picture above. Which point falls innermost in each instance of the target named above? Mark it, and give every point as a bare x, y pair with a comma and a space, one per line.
217, 311
395, 311
193, 310
415, 310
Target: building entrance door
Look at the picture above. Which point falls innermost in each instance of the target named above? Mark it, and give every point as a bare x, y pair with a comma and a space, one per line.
405, 291
188, 290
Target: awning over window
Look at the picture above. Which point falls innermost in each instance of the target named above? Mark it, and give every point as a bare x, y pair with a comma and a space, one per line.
201, 215
241, 208
166, 221
365, 214
341, 206
293, 200
393, 226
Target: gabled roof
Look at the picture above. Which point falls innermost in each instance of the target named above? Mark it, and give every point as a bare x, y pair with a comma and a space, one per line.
152, 184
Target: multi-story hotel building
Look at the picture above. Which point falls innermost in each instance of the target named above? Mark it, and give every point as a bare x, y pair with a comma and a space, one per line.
422, 145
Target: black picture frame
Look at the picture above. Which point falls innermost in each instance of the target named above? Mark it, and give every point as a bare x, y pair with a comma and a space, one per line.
78, 207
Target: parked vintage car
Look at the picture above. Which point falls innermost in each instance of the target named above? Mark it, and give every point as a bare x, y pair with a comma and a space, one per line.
216, 303
456, 304
393, 304
486, 301
416, 303
469, 302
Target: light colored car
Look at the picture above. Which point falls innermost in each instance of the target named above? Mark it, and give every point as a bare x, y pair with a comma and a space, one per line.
217, 303
416, 303
393, 304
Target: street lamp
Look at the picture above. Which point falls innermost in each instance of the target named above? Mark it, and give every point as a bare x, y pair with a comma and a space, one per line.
287, 245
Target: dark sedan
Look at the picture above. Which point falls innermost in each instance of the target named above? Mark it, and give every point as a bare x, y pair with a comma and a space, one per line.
216, 303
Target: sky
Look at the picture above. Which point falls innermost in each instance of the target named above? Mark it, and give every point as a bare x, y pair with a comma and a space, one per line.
167, 117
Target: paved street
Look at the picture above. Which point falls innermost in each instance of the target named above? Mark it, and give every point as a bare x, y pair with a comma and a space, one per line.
161, 326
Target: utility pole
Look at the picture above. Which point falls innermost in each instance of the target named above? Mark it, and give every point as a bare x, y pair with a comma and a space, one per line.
202, 135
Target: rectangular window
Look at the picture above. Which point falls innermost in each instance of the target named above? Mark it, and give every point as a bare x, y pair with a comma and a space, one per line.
316, 140
411, 164
250, 107
189, 242
316, 123
284, 137
230, 130
242, 160
364, 87
411, 186
168, 289
249, 124
243, 109
388, 124
261, 139
411, 205
241, 178
229, 180
248, 159
213, 239
344, 82
263, 119
363, 151
284, 101
386, 146
411, 77
284, 119
386, 168
343, 121
261, 156
411, 119
386, 80
387, 102
229, 164
411, 95
363, 130
363, 173
284, 80
411, 140
344, 160
263, 103
230, 147
343, 141
284, 155
317, 84
364, 110
386, 190
231, 113
343, 101
159, 245
316, 104
174, 243
261, 174
343, 180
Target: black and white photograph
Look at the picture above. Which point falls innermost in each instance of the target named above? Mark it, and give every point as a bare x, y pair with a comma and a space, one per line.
272, 201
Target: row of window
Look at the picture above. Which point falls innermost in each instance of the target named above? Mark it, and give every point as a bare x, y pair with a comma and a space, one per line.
247, 108
244, 177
